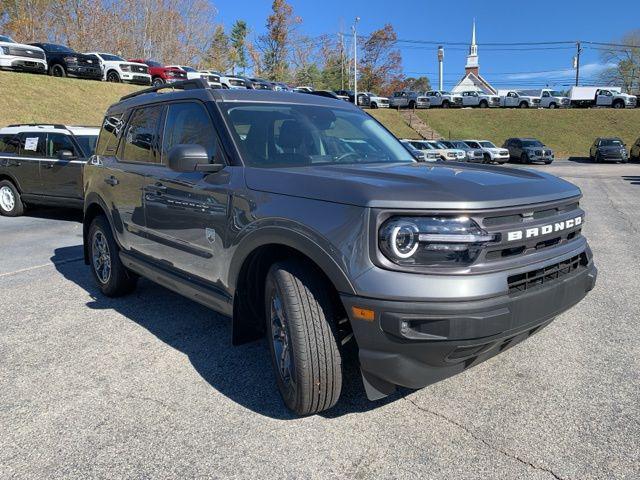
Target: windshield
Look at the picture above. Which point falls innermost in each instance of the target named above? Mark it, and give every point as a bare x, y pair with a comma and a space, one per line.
54, 48
461, 145
444, 93
87, 143
286, 135
473, 144
439, 145
532, 143
4, 38
153, 63
487, 145
111, 58
555, 93
610, 142
188, 69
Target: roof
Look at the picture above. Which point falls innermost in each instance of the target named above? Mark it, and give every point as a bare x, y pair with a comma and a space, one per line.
149, 96
476, 79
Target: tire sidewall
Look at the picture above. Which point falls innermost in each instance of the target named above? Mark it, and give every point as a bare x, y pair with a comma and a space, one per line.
113, 77
57, 68
157, 82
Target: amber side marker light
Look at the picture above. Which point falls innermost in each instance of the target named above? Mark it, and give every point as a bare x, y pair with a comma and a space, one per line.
363, 314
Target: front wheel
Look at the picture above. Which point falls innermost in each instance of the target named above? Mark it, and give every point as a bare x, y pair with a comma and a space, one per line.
618, 105
524, 158
487, 158
524, 105
445, 104
112, 277
552, 106
304, 351
484, 104
58, 70
10, 202
113, 76
157, 82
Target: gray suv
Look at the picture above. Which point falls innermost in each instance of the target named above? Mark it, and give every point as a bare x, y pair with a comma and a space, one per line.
528, 150
308, 223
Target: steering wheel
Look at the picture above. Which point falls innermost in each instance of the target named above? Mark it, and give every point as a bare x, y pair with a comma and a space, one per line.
342, 158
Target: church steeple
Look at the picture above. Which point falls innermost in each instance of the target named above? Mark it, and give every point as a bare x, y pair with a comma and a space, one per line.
472, 65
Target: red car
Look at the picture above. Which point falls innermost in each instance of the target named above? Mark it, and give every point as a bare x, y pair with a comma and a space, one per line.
161, 74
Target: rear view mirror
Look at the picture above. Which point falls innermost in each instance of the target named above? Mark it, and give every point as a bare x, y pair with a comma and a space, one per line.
191, 158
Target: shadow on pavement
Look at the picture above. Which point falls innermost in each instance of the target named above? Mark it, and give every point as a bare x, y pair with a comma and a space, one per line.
54, 213
579, 159
632, 179
243, 373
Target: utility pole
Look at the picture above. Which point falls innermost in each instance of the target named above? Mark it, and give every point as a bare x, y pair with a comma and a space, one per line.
341, 61
577, 62
355, 61
440, 67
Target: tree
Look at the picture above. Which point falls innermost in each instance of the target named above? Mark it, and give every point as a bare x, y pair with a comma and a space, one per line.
239, 33
381, 63
276, 44
420, 84
626, 72
218, 56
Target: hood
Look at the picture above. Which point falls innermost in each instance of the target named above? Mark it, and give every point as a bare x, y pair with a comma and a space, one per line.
612, 149
22, 45
413, 185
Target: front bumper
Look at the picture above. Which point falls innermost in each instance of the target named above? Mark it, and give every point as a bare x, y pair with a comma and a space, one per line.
136, 78
84, 72
20, 64
414, 344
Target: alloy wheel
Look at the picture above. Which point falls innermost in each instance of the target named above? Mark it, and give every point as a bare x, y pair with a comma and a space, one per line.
101, 257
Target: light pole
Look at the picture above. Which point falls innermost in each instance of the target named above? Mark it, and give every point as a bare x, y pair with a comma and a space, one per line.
355, 61
440, 67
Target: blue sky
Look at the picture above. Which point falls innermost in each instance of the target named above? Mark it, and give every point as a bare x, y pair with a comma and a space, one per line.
497, 21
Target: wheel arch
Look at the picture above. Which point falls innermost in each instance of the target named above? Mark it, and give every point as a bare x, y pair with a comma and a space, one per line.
12, 179
251, 263
94, 206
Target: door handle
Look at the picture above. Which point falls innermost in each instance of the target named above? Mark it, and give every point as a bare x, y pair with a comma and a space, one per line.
48, 165
111, 180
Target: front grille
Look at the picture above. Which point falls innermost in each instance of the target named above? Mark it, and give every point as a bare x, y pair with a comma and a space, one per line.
26, 52
457, 100
213, 78
523, 282
139, 69
237, 83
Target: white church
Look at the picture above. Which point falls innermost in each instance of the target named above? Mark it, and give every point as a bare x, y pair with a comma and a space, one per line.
472, 80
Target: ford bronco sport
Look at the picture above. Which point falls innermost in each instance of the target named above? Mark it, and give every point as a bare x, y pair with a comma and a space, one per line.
306, 221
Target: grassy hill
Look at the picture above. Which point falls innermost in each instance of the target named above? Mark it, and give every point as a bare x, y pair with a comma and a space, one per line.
569, 132
36, 98
30, 98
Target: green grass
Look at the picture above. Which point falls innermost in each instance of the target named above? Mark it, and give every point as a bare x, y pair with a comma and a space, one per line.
28, 98
394, 122
568, 132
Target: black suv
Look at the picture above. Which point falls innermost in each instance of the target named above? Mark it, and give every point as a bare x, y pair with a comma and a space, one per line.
42, 164
611, 149
63, 61
307, 222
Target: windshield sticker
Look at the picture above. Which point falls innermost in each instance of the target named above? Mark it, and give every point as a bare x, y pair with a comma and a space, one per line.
31, 144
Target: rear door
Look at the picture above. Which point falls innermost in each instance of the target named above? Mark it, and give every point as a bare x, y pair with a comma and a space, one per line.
61, 177
186, 213
24, 173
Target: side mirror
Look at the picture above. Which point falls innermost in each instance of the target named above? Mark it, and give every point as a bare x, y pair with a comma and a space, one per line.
65, 155
191, 158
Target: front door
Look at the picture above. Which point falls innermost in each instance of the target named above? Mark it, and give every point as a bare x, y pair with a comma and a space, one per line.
186, 213
61, 177
604, 98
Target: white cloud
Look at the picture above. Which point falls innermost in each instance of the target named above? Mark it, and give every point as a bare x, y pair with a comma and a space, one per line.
587, 69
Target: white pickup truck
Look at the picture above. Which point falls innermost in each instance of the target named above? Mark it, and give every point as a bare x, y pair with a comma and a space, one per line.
406, 99
443, 99
553, 99
516, 99
601, 97
479, 99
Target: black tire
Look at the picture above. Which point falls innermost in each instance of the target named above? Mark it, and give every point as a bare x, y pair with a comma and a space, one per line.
412, 104
299, 318
618, 104
552, 105
524, 158
103, 256
487, 158
483, 104
548, 162
373, 105
10, 202
445, 104
598, 158
112, 76
523, 105
157, 82
57, 70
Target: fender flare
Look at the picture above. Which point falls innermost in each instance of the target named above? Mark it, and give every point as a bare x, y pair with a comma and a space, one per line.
273, 235
90, 200
12, 179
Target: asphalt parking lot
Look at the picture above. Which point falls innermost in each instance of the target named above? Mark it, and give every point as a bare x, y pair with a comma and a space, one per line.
149, 386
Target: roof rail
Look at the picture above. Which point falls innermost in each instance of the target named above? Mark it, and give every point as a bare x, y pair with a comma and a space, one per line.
43, 124
193, 84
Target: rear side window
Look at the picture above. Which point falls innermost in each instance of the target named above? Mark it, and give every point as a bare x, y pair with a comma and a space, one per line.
109, 134
32, 144
189, 123
9, 143
57, 142
141, 136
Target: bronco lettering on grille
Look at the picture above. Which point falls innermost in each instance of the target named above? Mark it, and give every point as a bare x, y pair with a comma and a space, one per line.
543, 230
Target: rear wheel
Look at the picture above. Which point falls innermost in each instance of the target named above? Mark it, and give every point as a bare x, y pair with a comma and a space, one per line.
112, 277
304, 351
10, 203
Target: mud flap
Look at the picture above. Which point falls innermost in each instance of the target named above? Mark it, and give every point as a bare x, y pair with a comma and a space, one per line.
375, 387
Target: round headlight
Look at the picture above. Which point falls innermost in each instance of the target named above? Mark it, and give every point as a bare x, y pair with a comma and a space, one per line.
404, 240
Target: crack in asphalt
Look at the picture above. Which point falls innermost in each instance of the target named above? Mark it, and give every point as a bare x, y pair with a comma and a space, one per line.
477, 437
